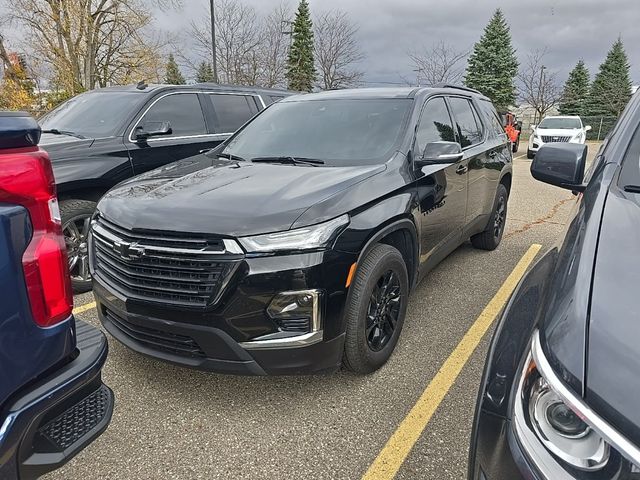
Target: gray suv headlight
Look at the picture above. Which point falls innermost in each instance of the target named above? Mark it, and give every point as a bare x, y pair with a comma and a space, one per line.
548, 416
313, 237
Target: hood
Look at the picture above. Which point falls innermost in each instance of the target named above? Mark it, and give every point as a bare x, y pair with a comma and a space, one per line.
58, 146
208, 195
613, 358
558, 132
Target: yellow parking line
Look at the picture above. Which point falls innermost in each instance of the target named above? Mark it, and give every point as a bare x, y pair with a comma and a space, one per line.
84, 308
397, 448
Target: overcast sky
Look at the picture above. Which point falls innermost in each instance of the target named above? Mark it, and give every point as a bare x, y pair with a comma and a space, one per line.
570, 29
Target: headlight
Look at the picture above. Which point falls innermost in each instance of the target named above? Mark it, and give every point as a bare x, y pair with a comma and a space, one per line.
578, 137
547, 415
312, 237
536, 138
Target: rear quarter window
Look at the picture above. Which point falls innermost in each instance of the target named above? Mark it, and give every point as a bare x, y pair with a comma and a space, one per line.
493, 122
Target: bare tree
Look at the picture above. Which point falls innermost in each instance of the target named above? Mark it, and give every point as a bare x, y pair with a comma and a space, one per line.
238, 36
250, 50
537, 85
337, 51
441, 63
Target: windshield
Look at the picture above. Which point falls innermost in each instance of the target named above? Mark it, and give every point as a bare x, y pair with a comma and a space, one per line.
561, 123
337, 131
92, 115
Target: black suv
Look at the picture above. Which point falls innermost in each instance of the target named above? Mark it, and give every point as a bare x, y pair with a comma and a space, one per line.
102, 137
559, 396
292, 247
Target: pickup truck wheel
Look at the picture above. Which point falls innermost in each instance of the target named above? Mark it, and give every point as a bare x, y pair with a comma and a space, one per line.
375, 309
492, 235
516, 145
76, 221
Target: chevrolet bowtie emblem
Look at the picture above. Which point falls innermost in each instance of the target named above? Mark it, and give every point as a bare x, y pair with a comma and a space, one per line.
128, 251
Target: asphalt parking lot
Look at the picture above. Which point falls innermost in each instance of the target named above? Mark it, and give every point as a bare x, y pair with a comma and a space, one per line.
172, 422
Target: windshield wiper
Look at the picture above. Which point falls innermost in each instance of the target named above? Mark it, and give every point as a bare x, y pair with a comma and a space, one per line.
288, 160
68, 133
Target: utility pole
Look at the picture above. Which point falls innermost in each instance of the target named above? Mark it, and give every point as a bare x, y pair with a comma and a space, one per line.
213, 42
418, 72
541, 90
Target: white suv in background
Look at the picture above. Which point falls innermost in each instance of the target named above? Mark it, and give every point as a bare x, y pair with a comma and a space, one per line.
566, 129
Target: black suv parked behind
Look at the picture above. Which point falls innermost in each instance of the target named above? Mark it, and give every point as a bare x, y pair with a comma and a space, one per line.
102, 137
292, 247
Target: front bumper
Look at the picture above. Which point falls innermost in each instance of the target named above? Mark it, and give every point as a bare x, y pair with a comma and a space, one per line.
228, 337
59, 416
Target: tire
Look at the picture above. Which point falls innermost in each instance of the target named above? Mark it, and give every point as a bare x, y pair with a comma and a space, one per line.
76, 215
364, 350
530, 154
491, 237
516, 146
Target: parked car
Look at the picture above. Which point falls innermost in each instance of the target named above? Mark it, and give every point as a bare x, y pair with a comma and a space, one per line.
559, 395
52, 399
293, 246
563, 129
105, 136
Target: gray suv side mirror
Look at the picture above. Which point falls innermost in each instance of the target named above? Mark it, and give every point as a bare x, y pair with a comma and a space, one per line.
152, 129
561, 164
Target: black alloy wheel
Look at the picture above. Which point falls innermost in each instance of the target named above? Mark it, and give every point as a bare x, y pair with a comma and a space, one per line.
76, 223
383, 311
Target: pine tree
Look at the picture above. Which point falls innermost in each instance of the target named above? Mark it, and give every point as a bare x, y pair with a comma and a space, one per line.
611, 88
173, 76
493, 65
301, 71
204, 73
576, 91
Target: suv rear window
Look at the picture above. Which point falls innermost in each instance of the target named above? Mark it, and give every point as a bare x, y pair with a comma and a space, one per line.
467, 122
232, 110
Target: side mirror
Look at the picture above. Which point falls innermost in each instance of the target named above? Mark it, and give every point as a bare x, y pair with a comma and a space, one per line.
561, 164
152, 129
439, 153
587, 128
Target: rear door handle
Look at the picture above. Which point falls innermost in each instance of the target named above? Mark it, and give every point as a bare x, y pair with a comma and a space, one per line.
462, 169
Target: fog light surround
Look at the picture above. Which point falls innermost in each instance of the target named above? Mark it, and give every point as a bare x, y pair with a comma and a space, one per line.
301, 311
292, 310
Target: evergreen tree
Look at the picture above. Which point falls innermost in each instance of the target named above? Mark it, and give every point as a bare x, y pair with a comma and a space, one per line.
204, 73
611, 88
173, 76
576, 92
493, 65
301, 71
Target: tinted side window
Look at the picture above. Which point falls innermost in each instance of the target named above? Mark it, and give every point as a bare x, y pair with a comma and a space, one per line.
232, 111
182, 110
493, 121
435, 124
468, 129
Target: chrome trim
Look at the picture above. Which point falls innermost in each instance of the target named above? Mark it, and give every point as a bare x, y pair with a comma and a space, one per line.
304, 340
289, 342
182, 92
230, 246
595, 421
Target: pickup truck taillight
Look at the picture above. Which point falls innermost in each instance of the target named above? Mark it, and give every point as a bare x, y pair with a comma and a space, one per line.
26, 179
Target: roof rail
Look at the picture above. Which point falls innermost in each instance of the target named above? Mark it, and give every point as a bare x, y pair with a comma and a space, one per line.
458, 87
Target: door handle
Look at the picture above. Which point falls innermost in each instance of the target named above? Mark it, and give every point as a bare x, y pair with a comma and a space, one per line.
462, 169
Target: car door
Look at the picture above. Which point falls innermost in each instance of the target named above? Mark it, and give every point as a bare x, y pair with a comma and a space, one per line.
442, 189
470, 133
232, 110
190, 132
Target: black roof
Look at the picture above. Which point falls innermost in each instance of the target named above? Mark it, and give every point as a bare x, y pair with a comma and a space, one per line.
154, 87
387, 92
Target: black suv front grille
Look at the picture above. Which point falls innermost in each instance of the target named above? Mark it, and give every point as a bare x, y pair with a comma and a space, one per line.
185, 272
